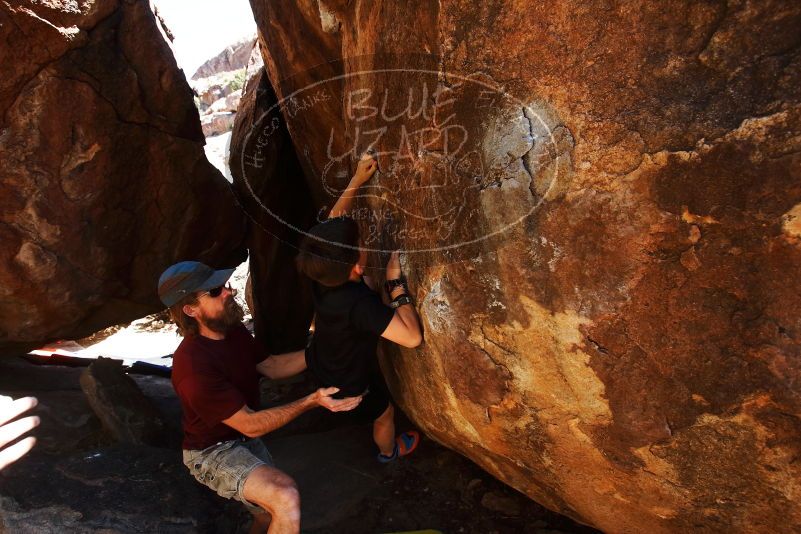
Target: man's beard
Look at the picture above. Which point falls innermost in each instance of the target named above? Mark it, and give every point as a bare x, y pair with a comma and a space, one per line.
231, 316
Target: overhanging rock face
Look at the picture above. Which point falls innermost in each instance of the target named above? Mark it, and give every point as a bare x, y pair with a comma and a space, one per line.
600, 207
104, 181
270, 187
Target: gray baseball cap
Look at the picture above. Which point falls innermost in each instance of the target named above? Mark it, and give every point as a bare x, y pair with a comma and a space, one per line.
188, 277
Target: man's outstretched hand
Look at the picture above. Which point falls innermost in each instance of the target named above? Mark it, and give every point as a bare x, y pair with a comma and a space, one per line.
364, 170
325, 400
9, 409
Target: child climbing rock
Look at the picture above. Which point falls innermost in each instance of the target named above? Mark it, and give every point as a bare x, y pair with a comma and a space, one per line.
350, 317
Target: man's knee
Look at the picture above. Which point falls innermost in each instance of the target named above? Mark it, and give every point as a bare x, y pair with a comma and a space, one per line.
274, 491
288, 496
284, 503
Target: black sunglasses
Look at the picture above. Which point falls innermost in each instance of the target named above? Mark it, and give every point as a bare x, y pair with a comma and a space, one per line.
215, 292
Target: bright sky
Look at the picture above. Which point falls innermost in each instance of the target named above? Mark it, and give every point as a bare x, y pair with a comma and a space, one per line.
202, 28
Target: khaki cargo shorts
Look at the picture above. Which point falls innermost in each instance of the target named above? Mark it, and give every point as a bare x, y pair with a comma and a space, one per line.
224, 467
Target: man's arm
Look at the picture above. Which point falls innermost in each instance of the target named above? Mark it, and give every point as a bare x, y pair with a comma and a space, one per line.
283, 365
364, 170
254, 424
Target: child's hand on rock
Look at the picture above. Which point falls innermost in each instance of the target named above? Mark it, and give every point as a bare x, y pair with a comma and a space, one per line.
364, 170
394, 266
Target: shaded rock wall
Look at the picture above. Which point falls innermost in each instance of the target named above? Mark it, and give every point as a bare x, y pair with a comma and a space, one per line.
293, 70
104, 179
270, 187
607, 274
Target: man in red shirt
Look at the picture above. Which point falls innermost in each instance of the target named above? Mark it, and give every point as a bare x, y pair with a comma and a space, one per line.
216, 371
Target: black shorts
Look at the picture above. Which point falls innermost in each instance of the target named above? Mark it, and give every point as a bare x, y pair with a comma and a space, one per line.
375, 402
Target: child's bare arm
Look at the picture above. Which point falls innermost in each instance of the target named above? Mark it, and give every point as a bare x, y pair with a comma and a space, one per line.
283, 365
365, 169
404, 329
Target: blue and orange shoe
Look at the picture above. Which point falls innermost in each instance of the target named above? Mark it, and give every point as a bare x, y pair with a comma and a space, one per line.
405, 444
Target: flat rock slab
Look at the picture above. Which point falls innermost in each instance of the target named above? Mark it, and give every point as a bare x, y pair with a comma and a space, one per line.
127, 414
17, 374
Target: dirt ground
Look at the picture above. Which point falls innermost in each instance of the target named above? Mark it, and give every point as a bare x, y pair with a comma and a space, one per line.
78, 480
438, 489
345, 489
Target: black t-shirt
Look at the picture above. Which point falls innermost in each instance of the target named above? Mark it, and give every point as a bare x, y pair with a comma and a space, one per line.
349, 320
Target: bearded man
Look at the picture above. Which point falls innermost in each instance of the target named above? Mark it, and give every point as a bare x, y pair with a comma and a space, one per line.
215, 373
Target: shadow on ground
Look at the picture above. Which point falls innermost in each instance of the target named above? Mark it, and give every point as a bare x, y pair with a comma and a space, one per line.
78, 480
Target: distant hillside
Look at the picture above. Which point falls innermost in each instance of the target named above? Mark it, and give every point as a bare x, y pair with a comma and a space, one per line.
233, 57
219, 81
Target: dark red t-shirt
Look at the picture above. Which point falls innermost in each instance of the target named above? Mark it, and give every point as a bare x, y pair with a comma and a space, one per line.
213, 380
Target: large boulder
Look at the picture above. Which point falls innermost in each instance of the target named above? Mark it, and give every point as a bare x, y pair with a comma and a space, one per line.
320, 59
104, 180
600, 210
